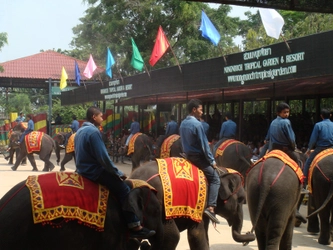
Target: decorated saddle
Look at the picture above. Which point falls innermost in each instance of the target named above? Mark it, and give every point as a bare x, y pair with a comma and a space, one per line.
131, 143
166, 145
33, 141
184, 188
285, 159
315, 162
219, 151
70, 144
70, 196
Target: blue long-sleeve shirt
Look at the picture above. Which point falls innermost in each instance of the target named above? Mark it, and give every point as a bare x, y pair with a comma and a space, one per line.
31, 126
228, 129
172, 128
75, 126
205, 126
91, 154
281, 133
322, 134
193, 138
135, 127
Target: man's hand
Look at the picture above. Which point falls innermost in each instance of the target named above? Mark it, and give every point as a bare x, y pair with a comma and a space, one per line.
123, 177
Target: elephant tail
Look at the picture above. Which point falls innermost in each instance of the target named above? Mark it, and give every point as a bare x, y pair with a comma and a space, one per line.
262, 198
328, 199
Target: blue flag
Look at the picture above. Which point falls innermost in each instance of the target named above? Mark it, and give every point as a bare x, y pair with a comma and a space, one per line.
109, 62
77, 74
208, 29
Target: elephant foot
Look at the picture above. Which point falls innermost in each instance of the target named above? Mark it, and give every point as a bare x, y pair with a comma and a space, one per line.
51, 168
10, 163
301, 217
35, 169
45, 170
7, 158
324, 241
313, 230
62, 169
14, 169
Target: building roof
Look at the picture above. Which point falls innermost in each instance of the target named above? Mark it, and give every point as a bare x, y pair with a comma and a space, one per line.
40, 67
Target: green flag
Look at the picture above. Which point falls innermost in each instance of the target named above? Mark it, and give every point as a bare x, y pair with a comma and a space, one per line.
137, 61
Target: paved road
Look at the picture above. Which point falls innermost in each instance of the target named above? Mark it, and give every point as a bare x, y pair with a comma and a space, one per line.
218, 240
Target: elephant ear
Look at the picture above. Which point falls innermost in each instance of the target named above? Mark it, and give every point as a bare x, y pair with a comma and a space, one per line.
135, 201
229, 185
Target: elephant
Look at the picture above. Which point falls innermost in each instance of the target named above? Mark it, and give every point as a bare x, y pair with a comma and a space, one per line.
273, 190
64, 233
175, 150
10, 157
236, 155
229, 205
143, 150
321, 199
47, 146
69, 152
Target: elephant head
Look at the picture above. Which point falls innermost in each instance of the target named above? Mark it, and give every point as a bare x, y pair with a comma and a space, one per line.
230, 205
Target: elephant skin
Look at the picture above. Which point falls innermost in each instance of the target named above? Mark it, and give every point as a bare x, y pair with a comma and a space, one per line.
10, 157
229, 205
143, 150
175, 150
322, 198
59, 139
273, 190
44, 153
18, 231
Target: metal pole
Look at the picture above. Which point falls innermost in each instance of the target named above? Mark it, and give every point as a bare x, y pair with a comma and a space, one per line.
50, 107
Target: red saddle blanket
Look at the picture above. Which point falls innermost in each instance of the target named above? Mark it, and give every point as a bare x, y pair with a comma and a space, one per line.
224, 145
67, 195
131, 143
315, 162
33, 141
166, 145
184, 188
285, 159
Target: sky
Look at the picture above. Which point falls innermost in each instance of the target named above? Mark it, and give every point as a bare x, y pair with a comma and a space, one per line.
34, 25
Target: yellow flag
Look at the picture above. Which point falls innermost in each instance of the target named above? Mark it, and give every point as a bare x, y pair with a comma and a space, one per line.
63, 79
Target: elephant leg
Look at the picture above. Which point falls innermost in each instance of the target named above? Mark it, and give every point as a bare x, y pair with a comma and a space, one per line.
48, 165
313, 222
276, 227
171, 236
19, 158
261, 233
325, 226
32, 161
67, 158
287, 238
299, 217
197, 236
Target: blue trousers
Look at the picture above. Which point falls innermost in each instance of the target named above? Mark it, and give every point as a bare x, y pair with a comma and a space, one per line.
24, 134
211, 174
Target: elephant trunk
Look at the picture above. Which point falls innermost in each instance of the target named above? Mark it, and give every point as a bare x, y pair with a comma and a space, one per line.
245, 238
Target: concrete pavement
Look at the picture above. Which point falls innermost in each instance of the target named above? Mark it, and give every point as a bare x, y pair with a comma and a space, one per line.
218, 240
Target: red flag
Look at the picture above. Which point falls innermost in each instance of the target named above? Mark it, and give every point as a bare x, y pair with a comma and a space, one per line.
160, 47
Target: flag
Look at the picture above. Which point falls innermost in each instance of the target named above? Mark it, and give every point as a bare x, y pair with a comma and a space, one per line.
272, 21
208, 29
63, 79
77, 74
109, 62
137, 61
161, 45
90, 68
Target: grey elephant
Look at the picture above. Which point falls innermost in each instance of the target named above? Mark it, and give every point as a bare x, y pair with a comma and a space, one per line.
273, 190
176, 147
45, 151
229, 205
69, 150
18, 230
322, 196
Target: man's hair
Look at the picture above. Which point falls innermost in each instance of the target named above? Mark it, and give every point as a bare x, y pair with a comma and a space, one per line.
91, 112
74, 117
194, 103
134, 117
30, 116
172, 117
21, 113
325, 113
228, 114
282, 106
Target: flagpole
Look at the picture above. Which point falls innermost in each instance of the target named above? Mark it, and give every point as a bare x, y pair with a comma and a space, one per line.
121, 77
100, 79
225, 60
146, 69
180, 69
284, 39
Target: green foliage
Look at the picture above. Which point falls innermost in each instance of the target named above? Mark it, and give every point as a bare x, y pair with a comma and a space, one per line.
3, 41
66, 112
18, 103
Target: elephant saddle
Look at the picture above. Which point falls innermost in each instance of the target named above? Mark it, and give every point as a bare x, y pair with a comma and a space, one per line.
315, 162
166, 145
70, 144
282, 156
33, 141
219, 151
67, 195
184, 188
131, 143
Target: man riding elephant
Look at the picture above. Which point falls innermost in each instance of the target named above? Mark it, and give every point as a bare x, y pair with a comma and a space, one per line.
135, 128
94, 163
29, 129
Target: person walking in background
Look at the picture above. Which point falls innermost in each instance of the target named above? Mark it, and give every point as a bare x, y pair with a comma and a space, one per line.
94, 163
228, 128
28, 130
172, 127
196, 148
135, 128
74, 126
58, 120
321, 139
205, 125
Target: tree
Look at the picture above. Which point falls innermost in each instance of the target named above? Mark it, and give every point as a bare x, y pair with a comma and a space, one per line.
111, 23
3, 41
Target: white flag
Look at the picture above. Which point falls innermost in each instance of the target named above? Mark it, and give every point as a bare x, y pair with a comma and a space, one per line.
272, 21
